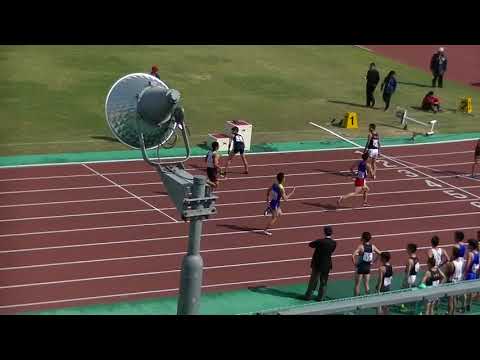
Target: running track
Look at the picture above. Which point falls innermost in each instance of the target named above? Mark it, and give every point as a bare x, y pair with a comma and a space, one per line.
106, 232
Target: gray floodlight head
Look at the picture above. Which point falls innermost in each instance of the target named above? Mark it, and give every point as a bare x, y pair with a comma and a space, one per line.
143, 113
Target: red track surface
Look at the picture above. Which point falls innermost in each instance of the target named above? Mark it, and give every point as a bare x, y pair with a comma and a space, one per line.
463, 60
70, 237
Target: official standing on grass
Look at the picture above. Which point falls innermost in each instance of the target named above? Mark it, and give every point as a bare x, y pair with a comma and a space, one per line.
321, 264
389, 85
373, 78
438, 66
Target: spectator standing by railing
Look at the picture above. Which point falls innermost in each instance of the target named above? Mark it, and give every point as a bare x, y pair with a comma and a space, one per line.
321, 264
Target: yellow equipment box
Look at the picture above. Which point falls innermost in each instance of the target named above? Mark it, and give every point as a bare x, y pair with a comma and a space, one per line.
350, 121
466, 105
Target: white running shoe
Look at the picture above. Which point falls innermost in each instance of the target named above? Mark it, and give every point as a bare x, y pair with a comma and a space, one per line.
266, 232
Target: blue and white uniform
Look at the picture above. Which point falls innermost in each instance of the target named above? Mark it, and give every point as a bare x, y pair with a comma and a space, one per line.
275, 196
238, 144
472, 273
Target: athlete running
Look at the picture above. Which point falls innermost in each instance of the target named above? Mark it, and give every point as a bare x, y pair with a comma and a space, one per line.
363, 169
275, 193
238, 147
362, 260
372, 148
213, 165
476, 158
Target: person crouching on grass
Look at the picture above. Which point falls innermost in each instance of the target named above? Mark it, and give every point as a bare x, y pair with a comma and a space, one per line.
431, 102
213, 165
275, 193
385, 274
238, 147
363, 169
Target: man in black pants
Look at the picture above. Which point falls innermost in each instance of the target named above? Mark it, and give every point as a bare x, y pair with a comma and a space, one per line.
321, 264
438, 66
373, 78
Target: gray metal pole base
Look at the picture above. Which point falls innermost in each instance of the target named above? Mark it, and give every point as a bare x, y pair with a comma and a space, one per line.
192, 265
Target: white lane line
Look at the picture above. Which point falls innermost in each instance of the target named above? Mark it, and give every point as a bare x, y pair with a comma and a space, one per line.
181, 253
209, 220
173, 289
217, 192
230, 178
216, 219
79, 215
234, 166
412, 166
259, 202
132, 241
248, 154
130, 193
162, 272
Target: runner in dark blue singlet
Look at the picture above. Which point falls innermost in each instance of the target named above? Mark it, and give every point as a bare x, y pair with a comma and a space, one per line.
275, 194
385, 275
362, 258
238, 148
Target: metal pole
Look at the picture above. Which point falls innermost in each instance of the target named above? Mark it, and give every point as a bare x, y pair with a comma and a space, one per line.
192, 265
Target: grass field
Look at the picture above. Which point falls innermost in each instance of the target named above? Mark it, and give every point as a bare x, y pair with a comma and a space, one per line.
52, 97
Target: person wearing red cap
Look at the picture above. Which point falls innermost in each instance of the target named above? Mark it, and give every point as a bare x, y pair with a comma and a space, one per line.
154, 71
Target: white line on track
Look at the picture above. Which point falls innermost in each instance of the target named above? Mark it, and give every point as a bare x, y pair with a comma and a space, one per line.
162, 272
130, 193
159, 291
235, 166
248, 154
223, 191
133, 241
412, 166
217, 219
230, 178
262, 202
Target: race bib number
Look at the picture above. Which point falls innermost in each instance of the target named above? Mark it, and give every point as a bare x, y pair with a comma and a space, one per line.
475, 267
361, 174
417, 267
367, 257
387, 281
375, 143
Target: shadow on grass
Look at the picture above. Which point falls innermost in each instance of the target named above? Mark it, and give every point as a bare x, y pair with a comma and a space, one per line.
105, 138
347, 103
275, 292
239, 228
475, 84
414, 84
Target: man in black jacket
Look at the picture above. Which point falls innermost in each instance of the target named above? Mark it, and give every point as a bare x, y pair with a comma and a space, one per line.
321, 263
438, 66
373, 78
